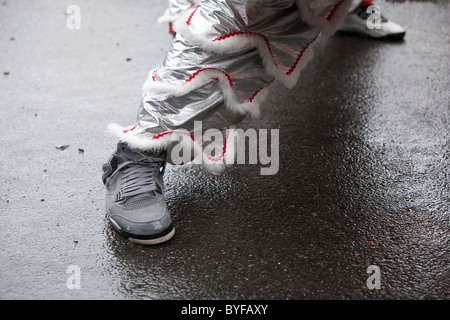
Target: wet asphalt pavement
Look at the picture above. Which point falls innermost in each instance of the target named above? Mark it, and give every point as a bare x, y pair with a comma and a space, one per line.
363, 177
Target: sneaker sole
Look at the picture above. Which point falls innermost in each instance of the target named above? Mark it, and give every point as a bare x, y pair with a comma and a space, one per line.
150, 240
389, 37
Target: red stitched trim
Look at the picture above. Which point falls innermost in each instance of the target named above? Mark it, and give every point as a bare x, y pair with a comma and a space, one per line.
170, 27
266, 40
224, 148
154, 73
259, 90
131, 129
203, 69
155, 137
235, 33
298, 58
333, 11
188, 21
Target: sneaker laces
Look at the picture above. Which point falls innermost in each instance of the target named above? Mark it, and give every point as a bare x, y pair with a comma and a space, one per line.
139, 175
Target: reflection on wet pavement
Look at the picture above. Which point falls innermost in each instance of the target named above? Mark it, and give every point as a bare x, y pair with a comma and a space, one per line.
363, 179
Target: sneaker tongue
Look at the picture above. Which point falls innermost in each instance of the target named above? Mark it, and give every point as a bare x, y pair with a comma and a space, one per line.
138, 156
140, 200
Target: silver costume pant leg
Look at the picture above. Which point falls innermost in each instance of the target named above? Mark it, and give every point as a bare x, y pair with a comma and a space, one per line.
224, 58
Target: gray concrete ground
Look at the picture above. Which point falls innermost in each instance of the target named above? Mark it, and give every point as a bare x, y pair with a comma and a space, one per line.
363, 179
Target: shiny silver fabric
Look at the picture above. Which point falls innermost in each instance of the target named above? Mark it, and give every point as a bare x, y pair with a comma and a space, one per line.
205, 103
248, 43
175, 9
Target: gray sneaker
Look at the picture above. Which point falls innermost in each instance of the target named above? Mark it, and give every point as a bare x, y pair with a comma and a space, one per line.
135, 200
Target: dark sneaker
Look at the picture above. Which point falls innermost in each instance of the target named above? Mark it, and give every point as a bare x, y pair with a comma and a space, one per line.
356, 22
135, 200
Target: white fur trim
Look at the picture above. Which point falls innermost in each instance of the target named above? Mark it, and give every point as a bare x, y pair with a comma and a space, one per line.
170, 17
146, 142
167, 17
138, 141
327, 27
